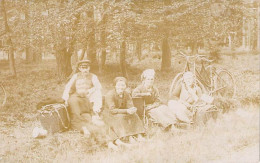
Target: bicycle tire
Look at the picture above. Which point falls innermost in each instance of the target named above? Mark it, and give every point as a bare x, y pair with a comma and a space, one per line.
3, 96
223, 90
174, 83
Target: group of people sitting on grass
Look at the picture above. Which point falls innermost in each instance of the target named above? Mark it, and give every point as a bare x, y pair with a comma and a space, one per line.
118, 118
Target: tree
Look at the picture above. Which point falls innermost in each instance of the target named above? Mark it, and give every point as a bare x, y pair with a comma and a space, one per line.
9, 40
166, 55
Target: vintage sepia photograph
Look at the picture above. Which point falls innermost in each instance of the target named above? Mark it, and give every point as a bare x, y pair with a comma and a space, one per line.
129, 81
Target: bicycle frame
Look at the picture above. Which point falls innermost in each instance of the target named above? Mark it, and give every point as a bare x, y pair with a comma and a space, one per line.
5, 96
203, 79
209, 80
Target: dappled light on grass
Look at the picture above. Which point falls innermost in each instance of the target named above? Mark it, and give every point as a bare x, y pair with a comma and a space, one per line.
236, 129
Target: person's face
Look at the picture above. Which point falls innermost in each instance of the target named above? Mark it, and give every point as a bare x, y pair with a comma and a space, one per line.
188, 80
148, 81
120, 87
84, 68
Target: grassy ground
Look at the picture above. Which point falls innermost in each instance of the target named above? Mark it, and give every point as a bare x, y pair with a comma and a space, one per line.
233, 131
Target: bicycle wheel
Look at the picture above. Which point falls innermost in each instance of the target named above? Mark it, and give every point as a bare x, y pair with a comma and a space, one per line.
225, 84
2, 96
175, 81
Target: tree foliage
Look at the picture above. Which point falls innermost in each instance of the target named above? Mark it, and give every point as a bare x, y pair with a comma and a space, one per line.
62, 27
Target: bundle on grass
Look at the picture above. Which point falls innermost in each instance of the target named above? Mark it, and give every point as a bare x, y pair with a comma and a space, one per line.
53, 115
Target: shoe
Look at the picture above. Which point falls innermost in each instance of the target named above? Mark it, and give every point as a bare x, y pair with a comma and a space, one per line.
96, 120
86, 132
112, 146
39, 132
132, 140
120, 143
173, 129
140, 138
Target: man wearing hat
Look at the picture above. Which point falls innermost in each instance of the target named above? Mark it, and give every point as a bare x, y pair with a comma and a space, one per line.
83, 94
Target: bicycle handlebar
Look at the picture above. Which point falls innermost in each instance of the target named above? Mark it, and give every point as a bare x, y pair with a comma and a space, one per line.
197, 56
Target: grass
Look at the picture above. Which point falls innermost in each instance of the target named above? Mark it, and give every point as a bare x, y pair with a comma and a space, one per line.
233, 131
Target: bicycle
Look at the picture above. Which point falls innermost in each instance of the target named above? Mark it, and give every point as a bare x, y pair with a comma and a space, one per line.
3, 96
217, 82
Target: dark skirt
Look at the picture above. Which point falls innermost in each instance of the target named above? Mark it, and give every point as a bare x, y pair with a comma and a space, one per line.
122, 125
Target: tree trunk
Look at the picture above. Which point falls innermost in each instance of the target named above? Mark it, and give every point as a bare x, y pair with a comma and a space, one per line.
32, 56
63, 53
27, 54
166, 55
91, 48
229, 42
194, 47
243, 34
103, 52
122, 59
102, 60
139, 49
81, 57
63, 60
258, 27
91, 51
11, 58
9, 41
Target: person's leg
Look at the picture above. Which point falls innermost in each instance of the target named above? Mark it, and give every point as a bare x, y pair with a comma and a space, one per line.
121, 143
158, 116
168, 114
96, 99
132, 140
76, 106
112, 146
140, 138
182, 113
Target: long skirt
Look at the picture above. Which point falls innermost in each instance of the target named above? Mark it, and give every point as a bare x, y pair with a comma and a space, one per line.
122, 125
162, 115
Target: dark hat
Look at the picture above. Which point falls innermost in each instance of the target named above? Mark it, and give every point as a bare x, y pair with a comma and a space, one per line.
83, 62
117, 79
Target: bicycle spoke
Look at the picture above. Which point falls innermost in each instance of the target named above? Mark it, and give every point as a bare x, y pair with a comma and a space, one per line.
2, 96
225, 84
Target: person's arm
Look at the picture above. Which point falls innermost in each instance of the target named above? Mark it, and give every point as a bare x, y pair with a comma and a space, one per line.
96, 84
68, 86
199, 92
176, 92
156, 99
157, 96
137, 93
129, 101
111, 105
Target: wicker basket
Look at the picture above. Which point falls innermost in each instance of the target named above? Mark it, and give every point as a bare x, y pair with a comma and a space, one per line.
54, 117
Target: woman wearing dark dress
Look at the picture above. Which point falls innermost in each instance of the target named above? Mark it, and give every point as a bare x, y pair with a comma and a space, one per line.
120, 114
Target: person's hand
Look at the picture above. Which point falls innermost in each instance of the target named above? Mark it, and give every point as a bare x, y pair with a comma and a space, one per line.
148, 107
96, 110
147, 94
185, 103
131, 110
113, 111
90, 91
66, 103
